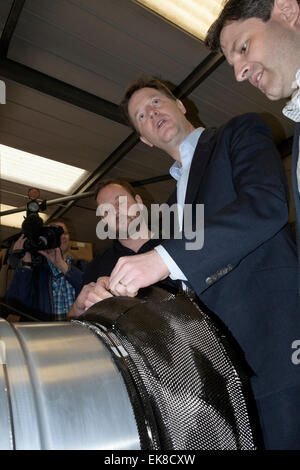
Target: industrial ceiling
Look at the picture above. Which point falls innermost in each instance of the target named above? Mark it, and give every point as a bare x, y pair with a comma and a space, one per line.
66, 64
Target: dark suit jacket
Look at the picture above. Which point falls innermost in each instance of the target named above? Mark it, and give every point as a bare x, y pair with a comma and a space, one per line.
296, 198
246, 272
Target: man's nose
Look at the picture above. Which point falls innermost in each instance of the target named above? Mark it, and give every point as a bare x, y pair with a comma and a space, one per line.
242, 72
153, 113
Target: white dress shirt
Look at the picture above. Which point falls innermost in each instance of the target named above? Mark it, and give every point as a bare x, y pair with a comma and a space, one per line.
180, 172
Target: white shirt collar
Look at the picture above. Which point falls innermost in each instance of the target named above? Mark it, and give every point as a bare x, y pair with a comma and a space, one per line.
292, 108
186, 150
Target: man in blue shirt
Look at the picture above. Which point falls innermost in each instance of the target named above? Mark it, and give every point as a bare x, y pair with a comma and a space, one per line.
246, 270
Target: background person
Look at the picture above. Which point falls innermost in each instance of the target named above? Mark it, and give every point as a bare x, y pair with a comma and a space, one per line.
96, 276
48, 290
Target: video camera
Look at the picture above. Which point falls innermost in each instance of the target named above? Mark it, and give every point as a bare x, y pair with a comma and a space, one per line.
38, 236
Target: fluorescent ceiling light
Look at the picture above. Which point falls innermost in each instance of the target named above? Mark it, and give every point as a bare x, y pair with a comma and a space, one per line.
39, 172
193, 16
15, 220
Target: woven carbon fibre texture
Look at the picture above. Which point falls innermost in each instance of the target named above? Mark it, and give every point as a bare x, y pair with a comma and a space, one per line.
181, 372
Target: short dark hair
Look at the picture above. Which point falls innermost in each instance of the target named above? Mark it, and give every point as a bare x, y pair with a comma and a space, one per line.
237, 10
58, 221
142, 82
125, 184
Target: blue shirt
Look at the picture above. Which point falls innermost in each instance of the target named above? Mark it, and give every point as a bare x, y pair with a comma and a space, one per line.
63, 292
180, 172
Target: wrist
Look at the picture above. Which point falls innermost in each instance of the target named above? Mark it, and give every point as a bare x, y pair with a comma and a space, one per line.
64, 267
78, 309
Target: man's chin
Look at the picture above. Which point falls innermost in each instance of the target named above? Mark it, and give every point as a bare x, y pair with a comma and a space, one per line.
275, 95
272, 97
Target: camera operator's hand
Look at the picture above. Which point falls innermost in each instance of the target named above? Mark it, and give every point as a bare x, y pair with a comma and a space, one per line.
19, 245
90, 294
55, 257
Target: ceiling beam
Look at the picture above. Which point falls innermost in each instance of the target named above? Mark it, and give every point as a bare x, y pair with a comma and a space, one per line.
155, 179
199, 74
101, 171
85, 195
31, 78
27, 76
10, 26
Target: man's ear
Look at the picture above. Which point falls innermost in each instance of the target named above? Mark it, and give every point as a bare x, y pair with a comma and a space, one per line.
145, 141
286, 11
181, 106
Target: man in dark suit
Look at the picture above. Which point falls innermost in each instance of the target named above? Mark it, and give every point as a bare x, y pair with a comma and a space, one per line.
261, 40
246, 270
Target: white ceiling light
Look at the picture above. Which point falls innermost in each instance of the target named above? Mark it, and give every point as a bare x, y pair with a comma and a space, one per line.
193, 16
15, 220
34, 171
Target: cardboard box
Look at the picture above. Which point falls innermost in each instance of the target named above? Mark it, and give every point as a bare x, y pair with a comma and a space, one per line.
81, 250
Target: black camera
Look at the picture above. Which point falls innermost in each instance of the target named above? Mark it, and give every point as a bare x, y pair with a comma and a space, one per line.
39, 237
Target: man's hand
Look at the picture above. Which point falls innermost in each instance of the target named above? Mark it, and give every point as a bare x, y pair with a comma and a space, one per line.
133, 272
90, 295
55, 257
19, 245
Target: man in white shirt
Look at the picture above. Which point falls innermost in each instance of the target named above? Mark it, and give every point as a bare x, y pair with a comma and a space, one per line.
246, 270
261, 40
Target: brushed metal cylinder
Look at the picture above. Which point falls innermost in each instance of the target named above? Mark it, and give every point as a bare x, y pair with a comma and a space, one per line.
60, 389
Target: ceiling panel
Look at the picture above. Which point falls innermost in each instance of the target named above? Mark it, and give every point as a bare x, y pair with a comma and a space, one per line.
78, 45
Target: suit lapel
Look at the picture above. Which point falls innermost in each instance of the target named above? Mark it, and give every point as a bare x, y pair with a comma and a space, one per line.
200, 162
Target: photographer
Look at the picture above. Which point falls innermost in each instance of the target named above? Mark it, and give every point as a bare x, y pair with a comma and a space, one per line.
46, 290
